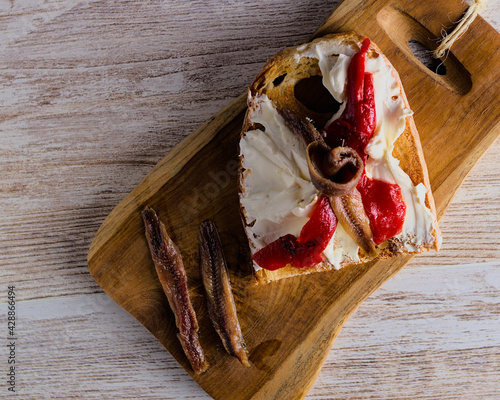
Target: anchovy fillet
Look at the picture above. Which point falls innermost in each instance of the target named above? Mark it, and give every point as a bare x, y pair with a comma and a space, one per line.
172, 275
220, 300
352, 216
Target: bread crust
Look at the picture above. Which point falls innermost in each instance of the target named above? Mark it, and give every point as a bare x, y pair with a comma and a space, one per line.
408, 150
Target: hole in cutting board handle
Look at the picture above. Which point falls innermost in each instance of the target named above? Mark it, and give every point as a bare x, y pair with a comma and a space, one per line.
402, 29
424, 55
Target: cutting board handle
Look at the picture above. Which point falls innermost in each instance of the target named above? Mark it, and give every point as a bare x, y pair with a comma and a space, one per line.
402, 28
402, 24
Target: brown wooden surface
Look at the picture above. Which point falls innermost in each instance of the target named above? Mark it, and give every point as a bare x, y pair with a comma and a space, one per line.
288, 343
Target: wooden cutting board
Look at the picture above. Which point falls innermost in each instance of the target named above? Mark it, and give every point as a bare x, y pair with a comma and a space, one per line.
290, 325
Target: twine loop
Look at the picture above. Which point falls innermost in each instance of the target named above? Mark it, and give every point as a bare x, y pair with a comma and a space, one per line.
462, 26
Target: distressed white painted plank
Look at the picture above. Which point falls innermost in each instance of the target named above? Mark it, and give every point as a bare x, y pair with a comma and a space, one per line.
432, 332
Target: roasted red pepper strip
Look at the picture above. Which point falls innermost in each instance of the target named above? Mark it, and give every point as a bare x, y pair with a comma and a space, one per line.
385, 207
277, 254
357, 123
315, 235
355, 86
366, 118
306, 250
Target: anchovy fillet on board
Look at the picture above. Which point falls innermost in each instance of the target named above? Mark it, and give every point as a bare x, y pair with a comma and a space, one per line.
172, 275
220, 300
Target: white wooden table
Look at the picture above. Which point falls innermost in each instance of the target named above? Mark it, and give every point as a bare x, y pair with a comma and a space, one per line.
92, 95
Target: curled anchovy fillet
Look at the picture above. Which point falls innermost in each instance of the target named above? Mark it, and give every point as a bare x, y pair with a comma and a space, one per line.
334, 172
352, 216
220, 300
325, 163
172, 275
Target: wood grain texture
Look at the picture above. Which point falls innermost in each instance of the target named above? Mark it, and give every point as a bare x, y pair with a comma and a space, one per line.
92, 95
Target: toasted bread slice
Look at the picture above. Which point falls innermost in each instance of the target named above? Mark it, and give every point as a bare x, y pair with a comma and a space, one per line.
275, 191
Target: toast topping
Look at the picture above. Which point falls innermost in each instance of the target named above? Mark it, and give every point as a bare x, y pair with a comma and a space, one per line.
306, 250
334, 172
391, 115
384, 205
357, 123
382, 202
279, 191
352, 216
